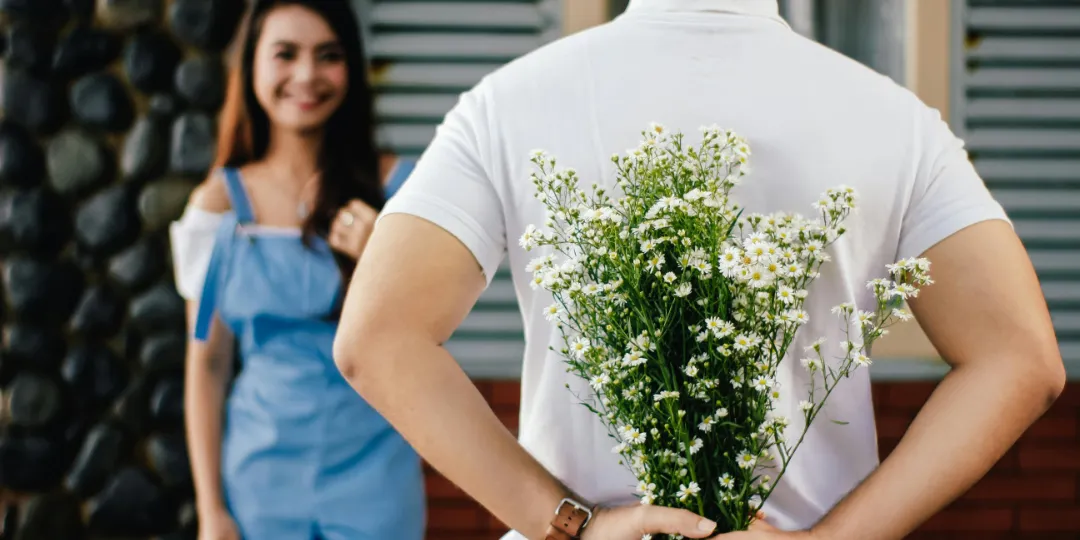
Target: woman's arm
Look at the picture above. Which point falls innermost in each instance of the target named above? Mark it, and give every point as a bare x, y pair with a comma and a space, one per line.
208, 370
208, 363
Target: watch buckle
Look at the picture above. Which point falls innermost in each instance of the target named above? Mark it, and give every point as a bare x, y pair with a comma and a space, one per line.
588, 512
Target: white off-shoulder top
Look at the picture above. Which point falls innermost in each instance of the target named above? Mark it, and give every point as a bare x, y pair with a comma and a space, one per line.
192, 240
192, 236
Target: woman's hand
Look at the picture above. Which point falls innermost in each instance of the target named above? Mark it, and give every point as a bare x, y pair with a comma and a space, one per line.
217, 525
351, 228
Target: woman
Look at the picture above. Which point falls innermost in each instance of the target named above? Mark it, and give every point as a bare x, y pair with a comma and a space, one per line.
262, 253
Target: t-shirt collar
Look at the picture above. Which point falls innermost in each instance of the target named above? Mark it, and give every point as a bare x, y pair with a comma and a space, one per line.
756, 8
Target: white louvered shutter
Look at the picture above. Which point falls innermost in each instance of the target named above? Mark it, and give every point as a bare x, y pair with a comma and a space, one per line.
425, 54
1017, 103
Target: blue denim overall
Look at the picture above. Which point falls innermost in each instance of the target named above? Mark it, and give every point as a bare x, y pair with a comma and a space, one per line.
303, 455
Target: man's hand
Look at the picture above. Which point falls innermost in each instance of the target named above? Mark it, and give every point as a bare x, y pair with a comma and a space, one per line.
762, 530
760, 534
633, 522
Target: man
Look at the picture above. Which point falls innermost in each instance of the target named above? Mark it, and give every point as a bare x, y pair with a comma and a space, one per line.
814, 119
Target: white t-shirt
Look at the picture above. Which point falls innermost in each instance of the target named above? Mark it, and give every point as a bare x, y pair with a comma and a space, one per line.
814, 119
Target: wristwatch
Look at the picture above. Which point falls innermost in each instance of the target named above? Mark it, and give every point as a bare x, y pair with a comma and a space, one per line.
571, 518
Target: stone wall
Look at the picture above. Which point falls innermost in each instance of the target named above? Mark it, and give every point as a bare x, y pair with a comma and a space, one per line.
109, 121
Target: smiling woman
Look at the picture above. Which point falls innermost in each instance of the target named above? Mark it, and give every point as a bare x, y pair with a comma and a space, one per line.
261, 254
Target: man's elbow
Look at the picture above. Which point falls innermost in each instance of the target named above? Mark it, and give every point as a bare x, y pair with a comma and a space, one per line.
1054, 378
1045, 374
350, 356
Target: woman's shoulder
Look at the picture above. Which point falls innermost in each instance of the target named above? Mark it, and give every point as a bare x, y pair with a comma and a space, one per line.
211, 195
387, 163
192, 237
394, 171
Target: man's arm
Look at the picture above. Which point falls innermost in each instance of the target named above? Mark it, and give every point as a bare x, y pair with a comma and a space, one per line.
986, 316
412, 288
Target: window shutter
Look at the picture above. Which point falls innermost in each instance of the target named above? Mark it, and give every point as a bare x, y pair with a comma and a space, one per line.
424, 55
1016, 101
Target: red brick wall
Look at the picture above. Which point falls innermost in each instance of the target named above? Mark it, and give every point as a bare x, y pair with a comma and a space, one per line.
1033, 493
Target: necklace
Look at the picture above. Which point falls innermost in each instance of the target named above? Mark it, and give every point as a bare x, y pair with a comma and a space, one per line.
302, 210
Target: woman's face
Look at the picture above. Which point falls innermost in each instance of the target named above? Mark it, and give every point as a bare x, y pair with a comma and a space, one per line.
300, 76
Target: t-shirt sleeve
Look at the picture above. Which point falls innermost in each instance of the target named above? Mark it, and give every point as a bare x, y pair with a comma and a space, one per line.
948, 194
452, 185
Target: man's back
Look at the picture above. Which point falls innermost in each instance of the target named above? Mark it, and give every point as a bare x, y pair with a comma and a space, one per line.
814, 120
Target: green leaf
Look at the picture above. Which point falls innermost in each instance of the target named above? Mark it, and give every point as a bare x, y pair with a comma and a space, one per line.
841, 422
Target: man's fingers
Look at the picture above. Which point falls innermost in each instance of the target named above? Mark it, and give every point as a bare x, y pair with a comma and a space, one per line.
662, 520
759, 524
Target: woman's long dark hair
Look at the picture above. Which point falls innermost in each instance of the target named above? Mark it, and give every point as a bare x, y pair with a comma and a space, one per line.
349, 160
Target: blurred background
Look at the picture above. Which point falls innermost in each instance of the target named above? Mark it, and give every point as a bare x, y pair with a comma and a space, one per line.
109, 112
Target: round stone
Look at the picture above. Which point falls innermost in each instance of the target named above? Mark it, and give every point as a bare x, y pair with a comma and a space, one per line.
31, 464
160, 203
22, 162
39, 347
208, 24
36, 103
8, 369
99, 313
146, 150
11, 520
106, 448
95, 375
34, 401
132, 504
168, 456
34, 221
167, 401
40, 291
85, 50
192, 145
163, 106
132, 407
35, 9
189, 525
138, 266
87, 261
77, 162
159, 309
201, 82
101, 102
29, 46
150, 60
51, 516
128, 14
163, 352
81, 10
107, 222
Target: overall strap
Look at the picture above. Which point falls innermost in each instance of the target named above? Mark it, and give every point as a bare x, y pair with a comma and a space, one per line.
209, 297
238, 196
401, 171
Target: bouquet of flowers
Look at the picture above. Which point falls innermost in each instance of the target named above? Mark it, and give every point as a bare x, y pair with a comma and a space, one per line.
678, 309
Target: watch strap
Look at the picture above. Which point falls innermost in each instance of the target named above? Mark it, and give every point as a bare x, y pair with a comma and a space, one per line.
568, 523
